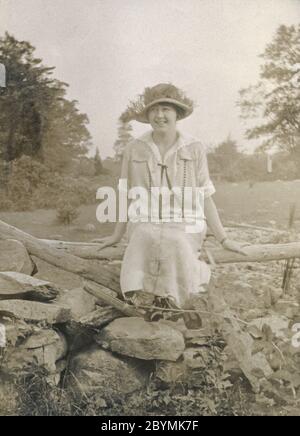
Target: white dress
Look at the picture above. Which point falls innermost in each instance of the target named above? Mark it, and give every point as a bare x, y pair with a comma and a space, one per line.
162, 258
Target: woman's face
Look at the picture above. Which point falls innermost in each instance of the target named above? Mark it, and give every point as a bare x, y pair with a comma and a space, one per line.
162, 117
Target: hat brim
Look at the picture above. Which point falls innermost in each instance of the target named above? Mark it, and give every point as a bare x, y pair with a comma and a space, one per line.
186, 110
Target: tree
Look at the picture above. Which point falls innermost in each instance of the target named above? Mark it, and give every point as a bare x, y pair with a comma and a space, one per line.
36, 119
224, 159
98, 163
275, 99
227, 152
124, 137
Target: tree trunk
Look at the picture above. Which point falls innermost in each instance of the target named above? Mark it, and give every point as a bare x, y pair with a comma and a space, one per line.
89, 269
255, 253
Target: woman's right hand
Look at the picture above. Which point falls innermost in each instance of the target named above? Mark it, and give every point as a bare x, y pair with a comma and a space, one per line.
107, 241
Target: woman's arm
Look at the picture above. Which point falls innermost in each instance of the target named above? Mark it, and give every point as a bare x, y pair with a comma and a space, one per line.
213, 219
215, 224
115, 238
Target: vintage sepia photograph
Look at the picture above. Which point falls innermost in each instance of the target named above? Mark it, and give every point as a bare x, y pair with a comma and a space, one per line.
149, 210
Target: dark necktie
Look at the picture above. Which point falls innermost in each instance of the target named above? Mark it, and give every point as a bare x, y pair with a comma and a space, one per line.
164, 169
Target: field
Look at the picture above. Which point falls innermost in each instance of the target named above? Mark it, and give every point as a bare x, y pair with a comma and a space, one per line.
246, 287
265, 204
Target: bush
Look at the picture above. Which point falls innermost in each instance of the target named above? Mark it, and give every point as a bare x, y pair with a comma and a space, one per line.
67, 212
5, 203
32, 185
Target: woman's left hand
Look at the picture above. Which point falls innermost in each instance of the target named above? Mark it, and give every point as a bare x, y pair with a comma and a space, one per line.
237, 247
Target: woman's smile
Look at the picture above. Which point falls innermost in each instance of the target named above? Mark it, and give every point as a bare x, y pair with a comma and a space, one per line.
162, 116
161, 122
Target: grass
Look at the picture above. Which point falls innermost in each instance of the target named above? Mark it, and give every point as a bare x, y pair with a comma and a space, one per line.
264, 204
260, 204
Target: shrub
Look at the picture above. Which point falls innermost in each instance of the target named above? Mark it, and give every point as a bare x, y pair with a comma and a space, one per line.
33, 185
67, 212
5, 203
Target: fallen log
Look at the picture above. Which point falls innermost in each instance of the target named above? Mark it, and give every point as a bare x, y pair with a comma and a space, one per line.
88, 250
92, 270
259, 253
102, 294
255, 253
232, 224
15, 286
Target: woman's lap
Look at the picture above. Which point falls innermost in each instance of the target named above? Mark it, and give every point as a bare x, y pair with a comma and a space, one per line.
162, 260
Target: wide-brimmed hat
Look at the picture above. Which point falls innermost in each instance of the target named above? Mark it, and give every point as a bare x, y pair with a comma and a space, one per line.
161, 93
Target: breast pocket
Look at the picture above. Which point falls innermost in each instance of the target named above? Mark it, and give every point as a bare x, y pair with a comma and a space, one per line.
140, 172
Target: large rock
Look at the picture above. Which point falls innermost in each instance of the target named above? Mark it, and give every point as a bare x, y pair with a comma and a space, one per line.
14, 257
33, 311
42, 349
14, 331
80, 333
241, 357
63, 279
14, 285
99, 372
78, 301
188, 370
138, 338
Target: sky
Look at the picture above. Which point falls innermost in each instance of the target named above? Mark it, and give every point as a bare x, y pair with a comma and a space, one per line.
108, 51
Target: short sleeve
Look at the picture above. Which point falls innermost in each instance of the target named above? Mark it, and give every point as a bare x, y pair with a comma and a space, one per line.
203, 176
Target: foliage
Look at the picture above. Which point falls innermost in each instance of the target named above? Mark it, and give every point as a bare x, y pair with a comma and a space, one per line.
224, 159
228, 164
98, 163
33, 185
124, 137
275, 99
36, 118
38, 398
67, 212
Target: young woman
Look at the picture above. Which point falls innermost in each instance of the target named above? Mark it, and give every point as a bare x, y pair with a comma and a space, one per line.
162, 256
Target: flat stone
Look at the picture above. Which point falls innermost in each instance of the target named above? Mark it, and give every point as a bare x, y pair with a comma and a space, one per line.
97, 371
138, 338
198, 337
14, 257
42, 349
34, 311
240, 361
14, 285
78, 301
